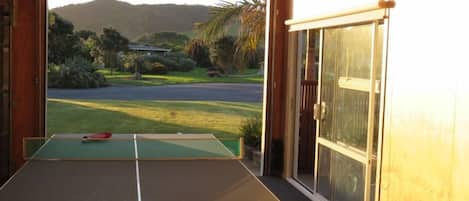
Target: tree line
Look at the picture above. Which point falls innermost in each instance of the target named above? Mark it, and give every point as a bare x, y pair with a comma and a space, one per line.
231, 41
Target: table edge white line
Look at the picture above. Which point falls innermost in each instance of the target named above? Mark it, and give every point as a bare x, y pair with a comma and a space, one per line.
137, 170
226, 148
25, 164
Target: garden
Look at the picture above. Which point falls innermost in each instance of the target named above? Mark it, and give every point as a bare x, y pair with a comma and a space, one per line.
82, 59
85, 59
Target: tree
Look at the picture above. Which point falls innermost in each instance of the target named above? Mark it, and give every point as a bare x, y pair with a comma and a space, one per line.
199, 52
63, 43
85, 34
223, 53
133, 62
250, 15
93, 45
88, 45
111, 43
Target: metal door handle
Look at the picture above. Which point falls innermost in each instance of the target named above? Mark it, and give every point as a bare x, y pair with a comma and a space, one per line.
319, 112
323, 110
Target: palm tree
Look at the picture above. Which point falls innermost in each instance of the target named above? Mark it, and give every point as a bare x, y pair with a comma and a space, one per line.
249, 14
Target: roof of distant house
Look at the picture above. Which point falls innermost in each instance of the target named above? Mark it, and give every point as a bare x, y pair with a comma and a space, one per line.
139, 47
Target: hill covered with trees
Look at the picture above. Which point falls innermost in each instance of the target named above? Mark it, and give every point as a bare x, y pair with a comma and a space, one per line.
134, 21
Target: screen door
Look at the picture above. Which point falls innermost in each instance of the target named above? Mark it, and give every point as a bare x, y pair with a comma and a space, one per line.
348, 112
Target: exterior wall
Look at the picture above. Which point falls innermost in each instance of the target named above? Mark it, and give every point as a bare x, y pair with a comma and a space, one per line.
426, 125
5, 136
291, 104
312, 8
28, 74
427, 104
276, 82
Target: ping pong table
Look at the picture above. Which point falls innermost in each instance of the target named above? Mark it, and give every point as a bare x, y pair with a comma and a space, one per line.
136, 167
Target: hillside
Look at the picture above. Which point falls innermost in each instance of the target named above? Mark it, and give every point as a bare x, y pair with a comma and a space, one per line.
133, 20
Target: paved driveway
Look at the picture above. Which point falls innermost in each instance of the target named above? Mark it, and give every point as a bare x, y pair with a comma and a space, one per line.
202, 92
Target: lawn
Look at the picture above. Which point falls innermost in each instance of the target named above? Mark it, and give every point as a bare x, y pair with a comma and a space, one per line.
198, 75
82, 116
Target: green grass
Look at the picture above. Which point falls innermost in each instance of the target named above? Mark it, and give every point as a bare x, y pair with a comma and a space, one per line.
222, 119
198, 75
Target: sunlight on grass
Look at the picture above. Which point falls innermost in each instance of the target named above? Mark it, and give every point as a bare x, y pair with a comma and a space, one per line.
198, 75
81, 116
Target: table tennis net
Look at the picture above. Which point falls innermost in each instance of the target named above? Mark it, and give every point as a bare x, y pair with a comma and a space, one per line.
134, 147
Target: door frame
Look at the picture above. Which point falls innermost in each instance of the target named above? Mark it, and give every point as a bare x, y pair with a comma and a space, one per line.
359, 16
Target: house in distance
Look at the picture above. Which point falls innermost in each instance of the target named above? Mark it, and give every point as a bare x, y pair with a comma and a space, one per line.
148, 50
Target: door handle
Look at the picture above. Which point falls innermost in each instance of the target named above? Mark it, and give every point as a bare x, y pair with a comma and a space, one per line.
319, 112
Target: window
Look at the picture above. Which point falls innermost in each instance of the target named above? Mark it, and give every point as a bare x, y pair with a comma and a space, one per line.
307, 61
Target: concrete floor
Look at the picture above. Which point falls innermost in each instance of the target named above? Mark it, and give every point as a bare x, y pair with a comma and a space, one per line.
307, 180
283, 190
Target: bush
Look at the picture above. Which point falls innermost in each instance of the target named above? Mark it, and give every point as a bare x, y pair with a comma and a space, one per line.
199, 52
81, 63
251, 129
75, 73
154, 68
186, 64
133, 62
173, 61
222, 53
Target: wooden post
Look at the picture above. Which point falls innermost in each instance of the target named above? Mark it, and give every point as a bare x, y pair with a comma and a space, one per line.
276, 83
28, 73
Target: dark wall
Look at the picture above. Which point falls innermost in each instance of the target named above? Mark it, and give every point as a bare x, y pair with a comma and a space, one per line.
27, 74
276, 83
4, 92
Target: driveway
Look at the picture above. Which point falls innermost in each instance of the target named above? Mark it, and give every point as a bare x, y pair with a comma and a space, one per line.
199, 92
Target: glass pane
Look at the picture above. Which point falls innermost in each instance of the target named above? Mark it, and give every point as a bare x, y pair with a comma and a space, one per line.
302, 51
373, 180
308, 52
379, 61
345, 92
340, 178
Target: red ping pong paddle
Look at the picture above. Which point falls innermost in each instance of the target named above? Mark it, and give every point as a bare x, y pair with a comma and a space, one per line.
97, 136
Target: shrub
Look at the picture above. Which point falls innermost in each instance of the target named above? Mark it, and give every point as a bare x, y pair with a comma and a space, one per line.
173, 61
170, 40
81, 63
154, 68
222, 53
199, 52
251, 129
133, 62
75, 73
176, 55
186, 64
170, 63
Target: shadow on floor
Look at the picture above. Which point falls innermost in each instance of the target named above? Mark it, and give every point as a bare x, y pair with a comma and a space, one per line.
283, 190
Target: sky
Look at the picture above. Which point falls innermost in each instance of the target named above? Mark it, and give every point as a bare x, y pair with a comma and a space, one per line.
59, 3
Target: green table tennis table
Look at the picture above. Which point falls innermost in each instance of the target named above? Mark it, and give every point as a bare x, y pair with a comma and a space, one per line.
134, 167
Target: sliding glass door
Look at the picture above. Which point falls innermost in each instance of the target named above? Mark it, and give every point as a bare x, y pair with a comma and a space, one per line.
348, 112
